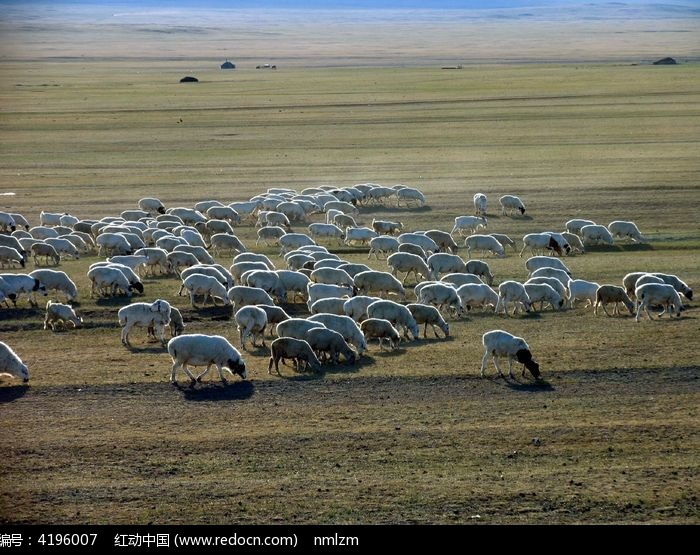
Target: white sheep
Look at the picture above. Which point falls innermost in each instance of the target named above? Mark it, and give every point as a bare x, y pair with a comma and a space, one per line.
574, 241
612, 294
11, 365
505, 241
442, 295
112, 243
50, 218
20, 220
223, 213
423, 241
544, 293
291, 241
353, 269
55, 280
480, 202
378, 328
513, 291
345, 326
320, 231
297, 349
14, 241
7, 222
484, 243
629, 281
359, 235
129, 274
294, 282
188, 215
63, 314
477, 294
413, 249
210, 287
574, 226
241, 295
331, 305
275, 315
329, 342
316, 291
596, 234
561, 275
344, 220
582, 290
468, 223
8, 256
554, 283
42, 232
297, 328
626, 230
509, 203
14, 285
499, 343
384, 244
537, 262
204, 350
39, 249
410, 195
386, 227
332, 276
410, 264
344, 207
383, 283
481, 269
225, 280
678, 284
268, 281
443, 240
293, 210
541, 242
426, 314
155, 314
237, 269
658, 294
399, 315
457, 280
444, 263
254, 257
251, 321
151, 205
328, 263
356, 307
646, 278
155, 259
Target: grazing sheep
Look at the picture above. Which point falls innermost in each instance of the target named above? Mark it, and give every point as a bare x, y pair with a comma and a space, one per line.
582, 290
630, 280
356, 307
554, 283
42, 232
544, 293
242, 295
359, 235
409, 195
63, 314
316, 291
596, 234
513, 291
155, 314
444, 263
677, 284
268, 281
329, 342
332, 276
423, 241
11, 365
574, 226
210, 287
344, 207
13, 285
55, 280
291, 241
320, 231
294, 282
177, 324
345, 326
410, 264
7, 222
111, 244
343, 221
293, 210
207, 271
331, 305
658, 294
505, 241
204, 350
275, 315
509, 203
480, 202
63, 247
386, 227
397, 314
382, 244
155, 259
457, 280
378, 328
354, 269
382, 283
646, 278
50, 218
297, 349
442, 295
468, 223
561, 275
8, 256
413, 249
151, 205
537, 262
612, 294
499, 343
15, 241
187, 215
481, 269
20, 220
541, 242
297, 328
484, 243
626, 230
129, 274
223, 213
477, 294
251, 321
574, 242
426, 314
443, 240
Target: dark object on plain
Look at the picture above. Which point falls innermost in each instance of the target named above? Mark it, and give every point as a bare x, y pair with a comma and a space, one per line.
665, 62
189, 79
228, 65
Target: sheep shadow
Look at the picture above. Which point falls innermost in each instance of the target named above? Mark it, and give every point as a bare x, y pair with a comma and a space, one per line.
635, 247
120, 300
12, 393
216, 391
532, 386
147, 349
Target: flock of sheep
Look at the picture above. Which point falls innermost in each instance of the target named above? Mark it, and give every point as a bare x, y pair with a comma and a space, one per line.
349, 303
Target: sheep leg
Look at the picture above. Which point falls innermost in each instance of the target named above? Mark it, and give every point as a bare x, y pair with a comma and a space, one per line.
434, 331
172, 372
199, 377
605, 309
498, 367
241, 335
220, 368
192, 299
125, 334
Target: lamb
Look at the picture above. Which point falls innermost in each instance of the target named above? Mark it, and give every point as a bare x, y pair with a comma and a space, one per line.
251, 321
386, 227
382, 244
378, 328
424, 242
574, 226
499, 343
537, 262
359, 235
200, 350
596, 234
329, 342
381, 282
658, 294
331, 305
480, 202
410, 195
544, 293
152, 206
443, 240
63, 314
326, 231
477, 294
156, 314
8, 255
612, 294
55, 280
677, 284
457, 280
481, 269
345, 326
426, 314
409, 263
540, 242
291, 241
444, 263
513, 291
155, 259
623, 229
11, 365
505, 241
582, 290
15, 284
484, 243
356, 307
331, 276
210, 287
442, 296
399, 316
112, 243
574, 241
509, 203
294, 282
468, 223
297, 349
242, 295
